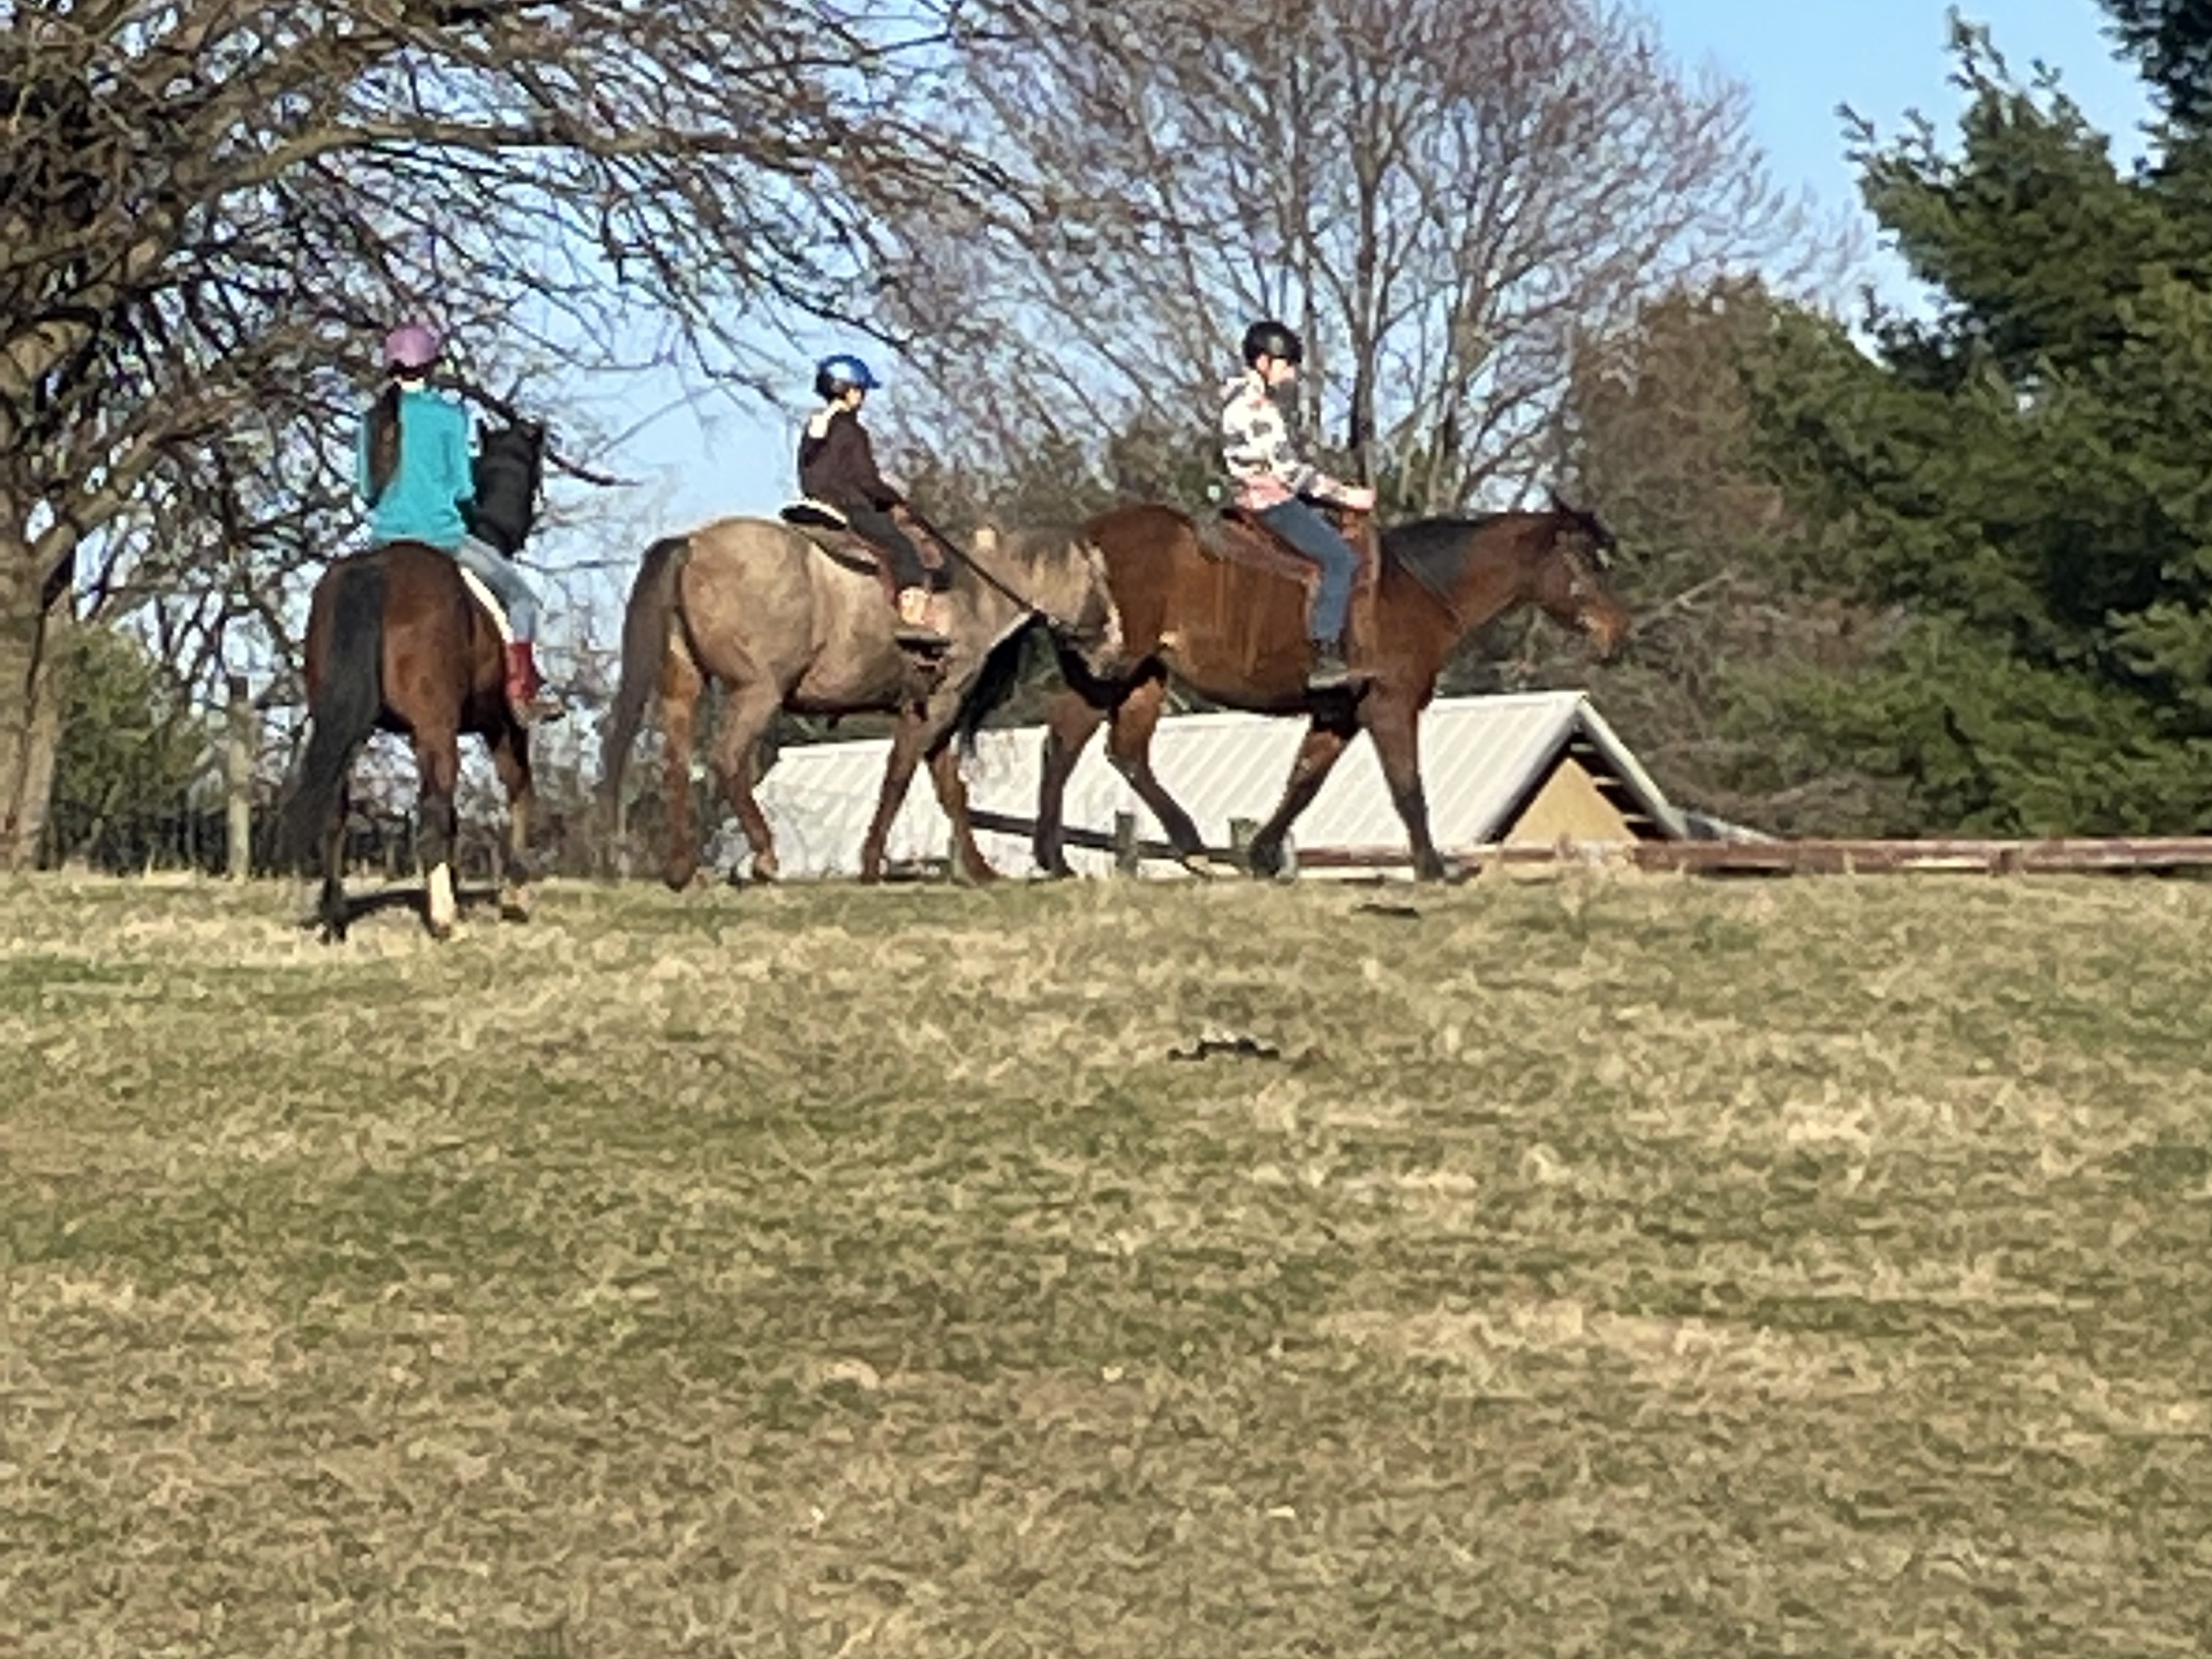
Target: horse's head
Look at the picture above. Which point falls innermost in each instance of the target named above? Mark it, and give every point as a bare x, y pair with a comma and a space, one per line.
1065, 582
510, 466
1570, 581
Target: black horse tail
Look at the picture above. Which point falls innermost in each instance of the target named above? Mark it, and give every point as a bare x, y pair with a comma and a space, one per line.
995, 685
344, 714
645, 622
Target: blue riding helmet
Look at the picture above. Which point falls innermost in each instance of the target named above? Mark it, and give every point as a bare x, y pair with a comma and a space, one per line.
833, 374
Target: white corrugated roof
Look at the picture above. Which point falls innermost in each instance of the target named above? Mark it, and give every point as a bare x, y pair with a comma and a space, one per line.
1480, 758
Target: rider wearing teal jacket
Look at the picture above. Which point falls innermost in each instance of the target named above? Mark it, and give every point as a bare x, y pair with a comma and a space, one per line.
414, 470
423, 501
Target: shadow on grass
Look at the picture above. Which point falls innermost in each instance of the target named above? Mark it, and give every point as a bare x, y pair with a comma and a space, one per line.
416, 902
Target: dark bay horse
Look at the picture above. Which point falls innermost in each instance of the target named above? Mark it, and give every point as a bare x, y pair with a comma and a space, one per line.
763, 608
398, 642
1234, 632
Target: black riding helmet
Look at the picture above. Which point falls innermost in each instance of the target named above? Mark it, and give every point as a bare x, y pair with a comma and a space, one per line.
1272, 339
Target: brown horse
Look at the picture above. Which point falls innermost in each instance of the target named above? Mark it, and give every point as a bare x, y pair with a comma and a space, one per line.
396, 642
784, 621
1232, 629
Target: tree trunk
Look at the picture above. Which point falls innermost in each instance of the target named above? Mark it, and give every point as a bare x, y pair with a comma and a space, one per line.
33, 605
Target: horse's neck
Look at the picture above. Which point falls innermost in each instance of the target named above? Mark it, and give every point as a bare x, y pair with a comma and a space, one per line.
1490, 584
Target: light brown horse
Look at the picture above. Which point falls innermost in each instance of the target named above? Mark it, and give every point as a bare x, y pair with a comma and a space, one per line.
763, 608
395, 642
1234, 632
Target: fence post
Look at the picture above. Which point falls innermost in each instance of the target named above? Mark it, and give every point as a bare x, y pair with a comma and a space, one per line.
1126, 857
238, 780
1242, 832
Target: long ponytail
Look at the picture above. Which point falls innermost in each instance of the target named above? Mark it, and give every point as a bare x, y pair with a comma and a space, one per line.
383, 441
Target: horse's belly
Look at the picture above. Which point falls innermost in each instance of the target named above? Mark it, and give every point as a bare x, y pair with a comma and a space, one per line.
846, 684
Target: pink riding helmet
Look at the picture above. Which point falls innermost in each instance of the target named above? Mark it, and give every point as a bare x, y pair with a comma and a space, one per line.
411, 345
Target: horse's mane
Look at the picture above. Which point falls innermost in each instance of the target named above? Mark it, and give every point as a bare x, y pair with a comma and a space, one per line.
1433, 551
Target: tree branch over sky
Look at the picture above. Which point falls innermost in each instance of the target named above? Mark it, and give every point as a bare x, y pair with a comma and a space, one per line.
209, 209
1446, 195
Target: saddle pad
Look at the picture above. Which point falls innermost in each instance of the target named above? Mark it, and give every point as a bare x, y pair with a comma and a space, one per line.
475, 584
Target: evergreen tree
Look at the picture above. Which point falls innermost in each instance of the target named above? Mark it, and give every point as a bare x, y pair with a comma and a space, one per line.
2023, 473
2170, 41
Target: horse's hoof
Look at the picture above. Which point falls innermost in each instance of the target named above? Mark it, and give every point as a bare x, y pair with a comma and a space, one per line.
678, 876
513, 909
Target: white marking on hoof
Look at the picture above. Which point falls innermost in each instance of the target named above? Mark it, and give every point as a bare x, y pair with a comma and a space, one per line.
444, 911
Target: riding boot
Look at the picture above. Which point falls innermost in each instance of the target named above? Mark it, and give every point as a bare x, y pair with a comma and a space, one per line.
920, 621
526, 692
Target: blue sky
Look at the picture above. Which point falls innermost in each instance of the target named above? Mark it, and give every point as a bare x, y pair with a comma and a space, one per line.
1801, 58
1798, 58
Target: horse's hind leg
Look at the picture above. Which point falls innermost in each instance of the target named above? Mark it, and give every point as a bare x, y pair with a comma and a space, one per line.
747, 717
438, 758
1129, 746
681, 684
331, 907
1070, 718
510, 757
1317, 756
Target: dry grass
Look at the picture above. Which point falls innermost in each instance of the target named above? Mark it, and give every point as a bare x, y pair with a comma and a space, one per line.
1603, 1268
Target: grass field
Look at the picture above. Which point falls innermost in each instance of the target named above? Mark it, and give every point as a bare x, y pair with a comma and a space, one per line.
1591, 1267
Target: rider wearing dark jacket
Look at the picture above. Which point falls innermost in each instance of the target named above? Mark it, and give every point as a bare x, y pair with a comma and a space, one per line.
837, 467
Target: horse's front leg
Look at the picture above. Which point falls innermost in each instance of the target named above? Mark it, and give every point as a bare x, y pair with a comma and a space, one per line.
1394, 724
908, 743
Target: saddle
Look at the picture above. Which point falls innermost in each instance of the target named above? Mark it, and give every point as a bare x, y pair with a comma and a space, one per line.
1243, 538
828, 529
1239, 544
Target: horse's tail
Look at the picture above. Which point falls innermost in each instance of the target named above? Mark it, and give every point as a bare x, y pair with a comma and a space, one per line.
645, 622
995, 684
344, 713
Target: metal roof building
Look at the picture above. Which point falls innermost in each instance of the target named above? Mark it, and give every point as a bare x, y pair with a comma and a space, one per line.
1530, 767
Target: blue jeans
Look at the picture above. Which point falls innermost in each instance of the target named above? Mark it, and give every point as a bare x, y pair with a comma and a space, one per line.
1315, 537
505, 579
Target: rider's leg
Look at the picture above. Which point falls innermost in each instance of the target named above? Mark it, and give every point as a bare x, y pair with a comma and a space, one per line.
912, 577
1315, 537
525, 688
508, 583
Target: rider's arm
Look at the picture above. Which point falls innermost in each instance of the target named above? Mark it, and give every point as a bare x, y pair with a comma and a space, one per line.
360, 480
880, 494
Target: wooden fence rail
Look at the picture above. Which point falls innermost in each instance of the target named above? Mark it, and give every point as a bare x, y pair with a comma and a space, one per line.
1744, 858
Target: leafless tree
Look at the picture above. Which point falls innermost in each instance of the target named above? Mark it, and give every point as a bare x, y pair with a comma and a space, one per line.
209, 209
1448, 197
